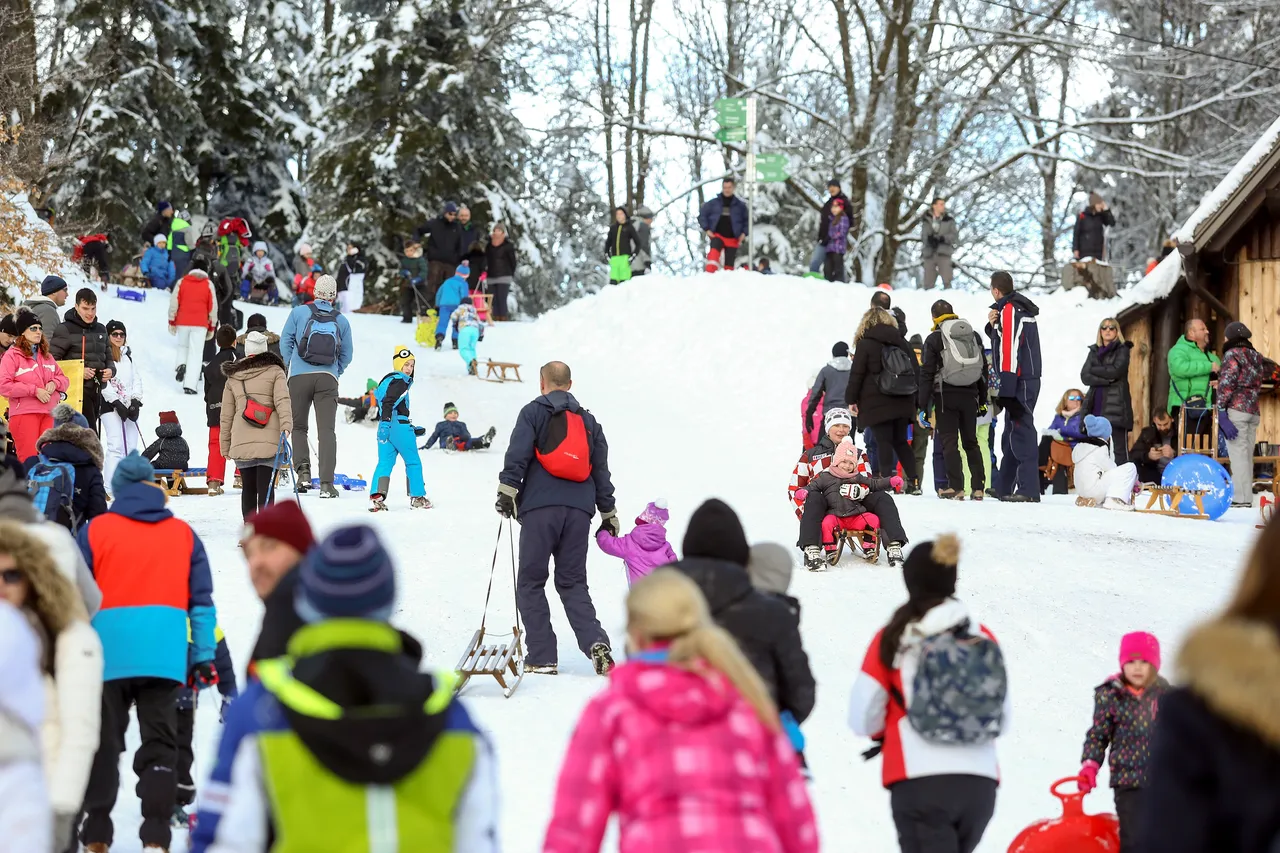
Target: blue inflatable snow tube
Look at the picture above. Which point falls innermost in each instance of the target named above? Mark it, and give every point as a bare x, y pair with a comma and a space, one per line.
1195, 471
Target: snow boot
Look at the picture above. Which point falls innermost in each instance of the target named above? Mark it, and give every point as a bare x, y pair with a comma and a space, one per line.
419, 503
1018, 499
180, 819
350, 416
914, 488
1083, 501
471, 368
189, 391
328, 491
977, 495
950, 494
377, 503
180, 373
814, 559
439, 342
302, 476
894, 552
215, 488
97, 847
602, 658
1116, 503
542, 668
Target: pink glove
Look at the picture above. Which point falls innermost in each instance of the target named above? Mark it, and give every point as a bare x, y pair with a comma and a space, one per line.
801, 494
896, 482
1088, 776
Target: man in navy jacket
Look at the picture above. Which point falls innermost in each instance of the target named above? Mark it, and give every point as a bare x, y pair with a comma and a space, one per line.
555, 517
1015, 351
724, 218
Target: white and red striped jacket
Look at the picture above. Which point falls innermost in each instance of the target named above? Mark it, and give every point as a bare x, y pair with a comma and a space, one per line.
874, 713
813, 462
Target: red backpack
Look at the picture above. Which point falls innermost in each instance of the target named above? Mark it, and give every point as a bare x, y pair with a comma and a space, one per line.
564, 448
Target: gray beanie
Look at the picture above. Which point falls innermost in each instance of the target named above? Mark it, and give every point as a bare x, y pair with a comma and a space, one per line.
769, 567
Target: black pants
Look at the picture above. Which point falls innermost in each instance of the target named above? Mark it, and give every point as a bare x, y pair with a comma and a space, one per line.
833, 267
894, 434
500, 290
255, 482
186, 755
1129, 809
879, 503
958, 425
1120, 444
563, 533
91, 408
942, 814
156, 702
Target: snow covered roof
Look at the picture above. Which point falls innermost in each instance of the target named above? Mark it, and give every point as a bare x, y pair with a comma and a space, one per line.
1158, 283
1243, 177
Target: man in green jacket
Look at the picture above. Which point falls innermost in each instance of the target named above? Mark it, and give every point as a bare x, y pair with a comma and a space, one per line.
1193, 372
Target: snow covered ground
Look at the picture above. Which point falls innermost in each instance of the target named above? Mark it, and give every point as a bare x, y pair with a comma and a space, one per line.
697, 383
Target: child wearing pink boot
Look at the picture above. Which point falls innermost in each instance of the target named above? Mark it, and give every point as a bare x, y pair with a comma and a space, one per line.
644, 548
1124, 716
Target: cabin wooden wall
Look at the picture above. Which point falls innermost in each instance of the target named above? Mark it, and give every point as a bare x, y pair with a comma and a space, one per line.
1138, 332
1258, 287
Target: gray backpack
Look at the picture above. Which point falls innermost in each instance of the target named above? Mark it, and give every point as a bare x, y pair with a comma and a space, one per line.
961, 355
958, 693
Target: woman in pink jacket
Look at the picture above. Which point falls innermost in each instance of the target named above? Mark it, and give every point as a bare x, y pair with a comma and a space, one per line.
33, 382
684, 745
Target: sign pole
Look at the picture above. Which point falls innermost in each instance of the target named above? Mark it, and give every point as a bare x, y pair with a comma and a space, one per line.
751, 181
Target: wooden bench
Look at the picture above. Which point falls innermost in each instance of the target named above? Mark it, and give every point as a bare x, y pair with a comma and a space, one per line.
499, 660
1164, 500
175, 483
500, 368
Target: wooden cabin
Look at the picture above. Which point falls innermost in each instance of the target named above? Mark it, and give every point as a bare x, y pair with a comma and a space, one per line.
1226, 267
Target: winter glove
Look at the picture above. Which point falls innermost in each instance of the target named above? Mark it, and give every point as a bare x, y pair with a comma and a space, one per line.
982, 410
801, 494
896, 482
853, 491
506, 505
1226, 427
419, 431
64, 828
1088, 777
134, 407
404, 273
384, 432
121, 409
922, 420
609, 521
792, 730
202, 675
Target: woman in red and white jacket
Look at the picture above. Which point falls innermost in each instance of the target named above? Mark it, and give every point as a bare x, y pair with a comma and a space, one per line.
942, 795
33, 382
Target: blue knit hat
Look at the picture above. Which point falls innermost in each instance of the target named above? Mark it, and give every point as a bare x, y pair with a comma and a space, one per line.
52, 284
348, 575
131, 469
63, 413
1097, 427
163, 206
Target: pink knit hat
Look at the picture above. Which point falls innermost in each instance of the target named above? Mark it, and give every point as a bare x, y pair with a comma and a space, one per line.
655, 513
1140, 646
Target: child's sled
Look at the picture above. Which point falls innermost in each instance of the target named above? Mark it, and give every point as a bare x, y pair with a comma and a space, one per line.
425, 333
131, 295
1164, 500
863, 543
1074, 832
175, 482
347, 484
500, 368
504, 661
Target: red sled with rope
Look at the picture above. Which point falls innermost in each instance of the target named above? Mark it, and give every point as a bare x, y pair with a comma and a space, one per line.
1074, 832
234, 227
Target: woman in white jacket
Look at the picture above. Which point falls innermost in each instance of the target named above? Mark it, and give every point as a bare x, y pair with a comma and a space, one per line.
71, 663
1099, 480
123, 398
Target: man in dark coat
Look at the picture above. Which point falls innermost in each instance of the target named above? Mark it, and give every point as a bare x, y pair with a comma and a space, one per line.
1156, 447
555, 512
724, 219
824, 223
828, 389
1015, 349
945, 360
1089, 240
716, 554
161, 223
444, 247
81, 335
274, 541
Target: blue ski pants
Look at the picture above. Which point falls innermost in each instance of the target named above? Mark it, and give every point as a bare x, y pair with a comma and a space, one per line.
1019, 444
467, 339
397, 439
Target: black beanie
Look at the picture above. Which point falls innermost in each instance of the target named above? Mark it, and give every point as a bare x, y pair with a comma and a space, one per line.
116, 326
840, 350
256, 321
9, 325
930, 569
715, 531
24, 320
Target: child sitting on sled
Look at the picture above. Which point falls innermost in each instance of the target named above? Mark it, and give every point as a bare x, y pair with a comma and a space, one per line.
1124, 717
363, 408
644, 548
844, 489
453, 434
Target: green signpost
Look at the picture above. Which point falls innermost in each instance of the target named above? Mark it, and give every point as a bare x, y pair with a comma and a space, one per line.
771, 168
732, 134
731, 112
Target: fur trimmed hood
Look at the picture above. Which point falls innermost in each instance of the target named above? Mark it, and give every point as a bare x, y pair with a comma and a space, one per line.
241, 367
78, 437
272, 337
1234, 666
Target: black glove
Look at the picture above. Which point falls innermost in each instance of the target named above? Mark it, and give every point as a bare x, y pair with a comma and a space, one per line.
419, 431
202, 675
133, 410
506, 505
121, 409
935, 241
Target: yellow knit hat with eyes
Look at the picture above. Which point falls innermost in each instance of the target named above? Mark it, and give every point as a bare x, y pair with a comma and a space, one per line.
403, 354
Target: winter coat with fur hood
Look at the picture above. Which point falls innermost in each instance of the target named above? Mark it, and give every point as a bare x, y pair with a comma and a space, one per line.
80, 448
261, 377
15, 505
1214, 779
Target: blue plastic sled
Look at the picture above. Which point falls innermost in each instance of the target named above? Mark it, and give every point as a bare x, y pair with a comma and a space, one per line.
131, 295
347, 484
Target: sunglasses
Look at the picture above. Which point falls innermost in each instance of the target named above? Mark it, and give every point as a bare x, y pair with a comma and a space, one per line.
1110, 328
117, 334
12, 577
34, 328
1075, 397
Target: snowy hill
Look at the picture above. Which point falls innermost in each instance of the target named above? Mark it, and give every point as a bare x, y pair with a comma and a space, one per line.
697, 383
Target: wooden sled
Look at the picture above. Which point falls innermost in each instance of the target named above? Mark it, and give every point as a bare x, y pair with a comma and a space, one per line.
868, 539
499, 370
503, 661
1164, 500
175, 483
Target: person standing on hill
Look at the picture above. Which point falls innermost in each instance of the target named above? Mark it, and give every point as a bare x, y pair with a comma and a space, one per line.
643, 259
834, 194
621, 246
193, 317
500, 270
724, 219
350, 279
1106, 374
256, 411
316, 347
939, 236
883, 382
954, 376
1089, 239
33, 383
397, 436
829, 388
158, 225
53, 295
555, 476
1243, 372
444, 248
1193, 375
81, 336
1015, 349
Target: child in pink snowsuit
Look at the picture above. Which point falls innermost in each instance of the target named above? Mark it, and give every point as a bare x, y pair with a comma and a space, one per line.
645, 548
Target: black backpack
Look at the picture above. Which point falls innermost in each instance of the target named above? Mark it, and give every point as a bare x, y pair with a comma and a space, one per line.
897, 372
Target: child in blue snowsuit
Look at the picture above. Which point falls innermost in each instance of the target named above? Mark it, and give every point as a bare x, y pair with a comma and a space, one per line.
397, 436
453, 434
466, 331
156, 267
452, 293
187, 700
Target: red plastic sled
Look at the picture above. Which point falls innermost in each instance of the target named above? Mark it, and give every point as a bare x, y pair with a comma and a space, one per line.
1074, 832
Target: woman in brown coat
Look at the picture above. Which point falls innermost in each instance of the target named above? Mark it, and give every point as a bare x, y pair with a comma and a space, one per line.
255, 414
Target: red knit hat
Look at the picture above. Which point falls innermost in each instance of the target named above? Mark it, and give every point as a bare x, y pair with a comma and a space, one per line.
168, 417
284, 521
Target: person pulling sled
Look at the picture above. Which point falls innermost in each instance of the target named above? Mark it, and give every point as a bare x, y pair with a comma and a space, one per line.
397, 436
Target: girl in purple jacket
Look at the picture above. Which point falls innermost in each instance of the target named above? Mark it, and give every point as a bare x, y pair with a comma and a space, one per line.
645, 548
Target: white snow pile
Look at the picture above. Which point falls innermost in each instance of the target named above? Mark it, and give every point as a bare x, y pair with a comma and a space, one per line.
1156, 284
697, 383
1228, 185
